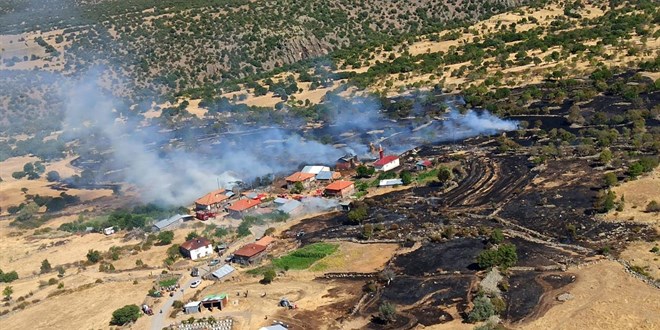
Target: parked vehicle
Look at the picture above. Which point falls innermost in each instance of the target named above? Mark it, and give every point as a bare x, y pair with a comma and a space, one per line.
204, 215
214, 262
229, 258
195, 283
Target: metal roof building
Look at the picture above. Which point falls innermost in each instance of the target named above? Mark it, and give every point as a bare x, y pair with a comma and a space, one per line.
176, 219
390, 182
290, 206
314, 169
223, 271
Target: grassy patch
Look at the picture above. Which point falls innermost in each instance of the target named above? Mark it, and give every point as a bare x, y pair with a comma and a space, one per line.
305, 257
319, 267
169, 282
427, 176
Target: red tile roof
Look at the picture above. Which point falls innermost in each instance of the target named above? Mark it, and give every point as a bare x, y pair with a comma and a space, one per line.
385, 160
265, 241
244, 204
195, 243
299, 176
213, 197
426, 163
249, 250
339, 185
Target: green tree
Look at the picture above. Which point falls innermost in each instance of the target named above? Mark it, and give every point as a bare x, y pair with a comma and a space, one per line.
53, 176
482, 310
191, 235
7, 292
269, 276
93, 256
297, 188
364, 171
387, 312
496, 236
357, 215
126, 314
605, 201
575, 116
45, 266
605, 156
610, 179
444, 174
8, 277
504, 256
165, 237
406, 177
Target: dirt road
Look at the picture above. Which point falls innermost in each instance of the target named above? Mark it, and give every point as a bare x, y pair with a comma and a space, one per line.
160, 314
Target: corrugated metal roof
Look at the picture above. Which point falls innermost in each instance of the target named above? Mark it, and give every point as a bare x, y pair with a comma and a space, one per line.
192, 304
167, 222
274, 327
290, 206
314, 169
390, 182
215, 297
280, 200
223, 271
324, 175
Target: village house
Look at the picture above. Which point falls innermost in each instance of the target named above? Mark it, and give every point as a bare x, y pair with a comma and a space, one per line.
242, 206
304, 178
249, 254
196, 248
423, 165
265, 241
386, 163
212, 200
347, 162
390, 182
340, 189
171, 222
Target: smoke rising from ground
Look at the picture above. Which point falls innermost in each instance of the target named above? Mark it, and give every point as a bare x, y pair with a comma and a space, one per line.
177, 177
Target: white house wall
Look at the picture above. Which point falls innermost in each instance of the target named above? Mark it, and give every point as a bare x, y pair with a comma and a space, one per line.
201, 252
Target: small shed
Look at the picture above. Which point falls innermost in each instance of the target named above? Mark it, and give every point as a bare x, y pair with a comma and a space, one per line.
218, 301
172, 221
280, 201
314, 169
423, 165
192, 307
340, 189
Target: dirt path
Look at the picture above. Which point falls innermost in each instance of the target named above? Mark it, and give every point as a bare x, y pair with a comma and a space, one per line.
157, 322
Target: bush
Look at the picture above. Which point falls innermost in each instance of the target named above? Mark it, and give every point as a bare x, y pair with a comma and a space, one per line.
178, 304
483, 309
504, 256
165, 237
387, 312
45, 266
126, 314
53, 176
8, 277
444, 174
269, 276
610, 179
496, 236
357, 215
653, 206
93, 256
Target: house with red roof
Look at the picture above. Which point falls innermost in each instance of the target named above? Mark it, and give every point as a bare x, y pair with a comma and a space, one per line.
242, 206
249, 254
386, 163
304, 178
196, 248
212, 200
340, 188
423, 165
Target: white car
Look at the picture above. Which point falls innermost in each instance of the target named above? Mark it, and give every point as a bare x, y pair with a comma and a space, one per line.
195, 283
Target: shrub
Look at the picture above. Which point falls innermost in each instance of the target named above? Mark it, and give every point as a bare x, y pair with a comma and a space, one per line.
496, 236
504, 256
269, 276
178, 304
387, 312
653, 206
126, 314
8, 277
483, 309
165, 237
610, 179
357, 215
93, 256
444, 174
45, 267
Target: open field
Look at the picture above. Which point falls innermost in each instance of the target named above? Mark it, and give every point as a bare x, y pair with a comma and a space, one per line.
638, 193
605, 297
